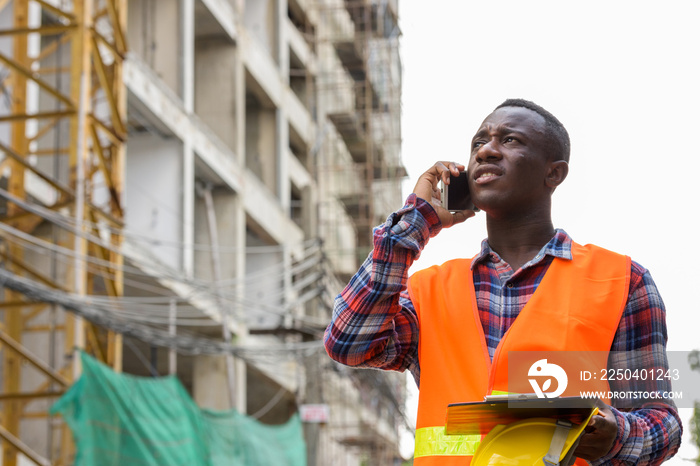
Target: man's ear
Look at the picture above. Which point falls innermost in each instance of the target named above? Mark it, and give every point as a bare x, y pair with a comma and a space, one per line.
557, 173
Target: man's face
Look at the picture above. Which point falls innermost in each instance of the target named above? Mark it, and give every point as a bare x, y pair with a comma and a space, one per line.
509, 162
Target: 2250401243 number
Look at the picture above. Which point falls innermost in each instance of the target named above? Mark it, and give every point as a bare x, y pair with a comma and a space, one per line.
630, 375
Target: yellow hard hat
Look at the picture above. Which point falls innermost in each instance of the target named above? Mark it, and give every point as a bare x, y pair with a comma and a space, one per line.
536, 441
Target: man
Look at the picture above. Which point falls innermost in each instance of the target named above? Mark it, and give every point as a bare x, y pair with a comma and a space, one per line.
385, 320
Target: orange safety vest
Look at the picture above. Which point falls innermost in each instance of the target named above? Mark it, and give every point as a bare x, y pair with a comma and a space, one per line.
576, 307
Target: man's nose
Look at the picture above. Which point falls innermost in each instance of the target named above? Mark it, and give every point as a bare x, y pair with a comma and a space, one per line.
488, 151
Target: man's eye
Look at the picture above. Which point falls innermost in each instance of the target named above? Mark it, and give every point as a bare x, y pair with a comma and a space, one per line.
510, 139
477, 144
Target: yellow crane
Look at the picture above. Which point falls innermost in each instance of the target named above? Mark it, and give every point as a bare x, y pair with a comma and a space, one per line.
62, 135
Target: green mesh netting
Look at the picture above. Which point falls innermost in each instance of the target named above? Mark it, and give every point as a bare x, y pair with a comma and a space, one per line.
120, 419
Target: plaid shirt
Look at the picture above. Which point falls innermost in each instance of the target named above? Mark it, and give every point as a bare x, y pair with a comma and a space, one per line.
375, 324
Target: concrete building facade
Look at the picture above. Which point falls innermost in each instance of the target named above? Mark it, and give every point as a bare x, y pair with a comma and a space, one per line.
260, 145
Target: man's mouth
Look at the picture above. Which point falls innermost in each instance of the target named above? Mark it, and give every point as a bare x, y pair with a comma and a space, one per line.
487, 176
484, 177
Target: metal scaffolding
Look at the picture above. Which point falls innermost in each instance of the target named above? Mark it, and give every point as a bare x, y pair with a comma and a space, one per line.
360, 171
362, 97
62, 134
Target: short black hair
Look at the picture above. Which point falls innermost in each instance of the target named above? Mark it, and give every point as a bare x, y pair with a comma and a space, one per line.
558, 137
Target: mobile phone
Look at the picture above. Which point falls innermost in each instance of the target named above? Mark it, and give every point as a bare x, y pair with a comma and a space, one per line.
455, 196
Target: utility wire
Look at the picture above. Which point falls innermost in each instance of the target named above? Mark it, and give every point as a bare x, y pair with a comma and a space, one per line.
99, 266
72, 224
120, 305
197, 285
183, 343
147, 323
40, 246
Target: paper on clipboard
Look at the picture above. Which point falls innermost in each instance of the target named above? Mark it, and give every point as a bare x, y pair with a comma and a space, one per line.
480, 417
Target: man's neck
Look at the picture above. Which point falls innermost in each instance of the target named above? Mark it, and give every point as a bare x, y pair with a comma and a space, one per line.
519, 241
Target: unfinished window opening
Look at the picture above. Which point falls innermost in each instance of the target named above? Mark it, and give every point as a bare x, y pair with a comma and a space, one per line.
215, 96
298, 17
296, 206
153, 204
154, 36
300, 80
215, 252
264, 282
299, 148
261, 140
260, 19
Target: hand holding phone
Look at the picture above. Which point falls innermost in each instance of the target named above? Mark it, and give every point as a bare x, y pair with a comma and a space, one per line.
455, 196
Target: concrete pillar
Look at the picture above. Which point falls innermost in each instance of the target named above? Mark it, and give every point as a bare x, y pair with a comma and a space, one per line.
186, 57
282, 40
188, 200
309, 211
239, 112
238, 217
238, 211
209, 382
186, 64
314, 394
284, 186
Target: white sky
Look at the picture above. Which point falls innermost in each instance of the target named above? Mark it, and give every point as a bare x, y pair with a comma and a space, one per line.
622, 76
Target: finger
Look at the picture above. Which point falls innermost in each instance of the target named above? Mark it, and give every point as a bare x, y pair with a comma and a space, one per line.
455, 168
596, 422
445, 174
595, 419
449, 168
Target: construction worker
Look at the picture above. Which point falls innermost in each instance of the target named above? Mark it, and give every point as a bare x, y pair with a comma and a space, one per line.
447, 324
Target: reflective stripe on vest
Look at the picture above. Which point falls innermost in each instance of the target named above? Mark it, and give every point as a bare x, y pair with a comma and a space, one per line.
432, 441
576, 307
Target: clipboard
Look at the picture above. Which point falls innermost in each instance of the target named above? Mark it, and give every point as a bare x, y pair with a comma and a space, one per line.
482, 416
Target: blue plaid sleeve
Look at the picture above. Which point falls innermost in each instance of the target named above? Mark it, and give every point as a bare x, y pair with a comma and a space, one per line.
650, 433
374, 323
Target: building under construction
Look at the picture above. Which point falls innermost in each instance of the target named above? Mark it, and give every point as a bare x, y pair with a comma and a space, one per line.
185, 186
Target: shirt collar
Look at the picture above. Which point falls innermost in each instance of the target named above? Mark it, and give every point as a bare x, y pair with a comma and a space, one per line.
558, 246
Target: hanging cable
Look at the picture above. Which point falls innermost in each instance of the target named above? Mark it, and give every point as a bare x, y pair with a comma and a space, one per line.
197, 285
74, 225
39, 245
184, 343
